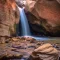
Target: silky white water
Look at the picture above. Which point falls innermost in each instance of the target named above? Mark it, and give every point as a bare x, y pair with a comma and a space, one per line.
25, 27
24, 23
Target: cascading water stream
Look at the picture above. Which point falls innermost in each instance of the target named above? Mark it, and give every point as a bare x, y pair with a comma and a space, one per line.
25, 27
24, 23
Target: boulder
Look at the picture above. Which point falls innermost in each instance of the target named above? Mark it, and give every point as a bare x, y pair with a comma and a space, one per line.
48, 10
9, 18
45, 52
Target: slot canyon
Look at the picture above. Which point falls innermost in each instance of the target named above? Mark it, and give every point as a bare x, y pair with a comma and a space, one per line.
29, 29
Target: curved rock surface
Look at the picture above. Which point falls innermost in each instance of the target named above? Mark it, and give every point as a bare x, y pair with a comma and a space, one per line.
9, 18
48, 10
45, 52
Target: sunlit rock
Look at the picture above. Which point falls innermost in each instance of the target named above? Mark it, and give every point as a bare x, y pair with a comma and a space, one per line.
45, 52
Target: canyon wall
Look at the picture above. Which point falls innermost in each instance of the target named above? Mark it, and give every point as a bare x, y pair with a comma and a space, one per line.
47, 13
9, 18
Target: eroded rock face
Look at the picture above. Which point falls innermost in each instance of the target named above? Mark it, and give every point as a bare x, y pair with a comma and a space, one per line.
48, 10
9, 18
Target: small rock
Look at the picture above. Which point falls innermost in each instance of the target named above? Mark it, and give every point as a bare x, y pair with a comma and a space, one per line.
13, 49
15, 39
2, 40
32, 47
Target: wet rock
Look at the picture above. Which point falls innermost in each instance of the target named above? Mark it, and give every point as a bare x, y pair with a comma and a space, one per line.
38, 43
32, 40
23, 38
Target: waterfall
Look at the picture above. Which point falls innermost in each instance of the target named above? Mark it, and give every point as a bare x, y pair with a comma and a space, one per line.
25, 27
24, 23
